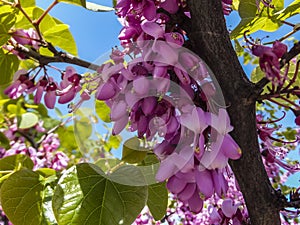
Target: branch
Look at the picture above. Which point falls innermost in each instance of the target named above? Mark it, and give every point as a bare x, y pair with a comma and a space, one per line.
59, 57
210, 40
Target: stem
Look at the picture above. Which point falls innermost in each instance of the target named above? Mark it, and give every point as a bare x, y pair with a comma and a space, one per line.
289, 101
39, 20
7, 3
61, 57
18, 5
287, 23
278, 103
6, 171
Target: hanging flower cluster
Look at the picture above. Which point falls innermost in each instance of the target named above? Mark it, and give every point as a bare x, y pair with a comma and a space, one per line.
155, 93
26, 83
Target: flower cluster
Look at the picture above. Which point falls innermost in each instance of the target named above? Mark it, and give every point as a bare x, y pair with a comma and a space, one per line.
273, 154
43, 155
22, 37
230, 209
24, 83
154, 95
269, 60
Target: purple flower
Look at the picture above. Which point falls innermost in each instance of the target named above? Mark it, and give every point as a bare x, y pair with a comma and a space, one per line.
60, 161
229, 208
170, 6
50, 96
269, 59
22, 84
26, 37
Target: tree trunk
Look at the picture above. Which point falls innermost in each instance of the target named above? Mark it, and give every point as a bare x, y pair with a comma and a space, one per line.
210, 40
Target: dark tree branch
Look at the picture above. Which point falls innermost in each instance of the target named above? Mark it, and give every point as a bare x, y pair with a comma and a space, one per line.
210, 40
59, 57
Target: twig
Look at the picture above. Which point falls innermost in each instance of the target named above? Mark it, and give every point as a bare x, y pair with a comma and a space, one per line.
60, 57
38, 21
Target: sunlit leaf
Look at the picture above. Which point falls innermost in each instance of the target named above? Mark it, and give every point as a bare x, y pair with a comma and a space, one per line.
28, 120
7, 20
8, 66
75, 2
85, 196
132, 151
254, 20
61, 37
103, 111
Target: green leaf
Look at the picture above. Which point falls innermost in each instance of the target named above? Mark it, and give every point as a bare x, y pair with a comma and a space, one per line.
61, 37
106, 164
7, 20
4, 142
67, 138
27, 3
98, 8
75, 2
85, 196
133, 152
235, 4
292, 10
8, 66
114, 141
28, 120
15, 162
252, 20
157, 200
257, 74
103, 111
22, 198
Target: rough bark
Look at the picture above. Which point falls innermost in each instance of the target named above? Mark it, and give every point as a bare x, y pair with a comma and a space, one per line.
210, 40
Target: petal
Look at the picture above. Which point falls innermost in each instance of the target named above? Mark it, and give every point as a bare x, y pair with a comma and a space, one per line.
119, 125
175, 185
228, 208
187, 192
166, 53
38, 95
209, 156
230, 148
204, 182
118, 110
220, 184
195, 203
69, 72
69, 96
148, 105
166, 169
182, 75
159, 71
50, 99
105, 91
153, 29
141, 86
170, 6
149, 10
